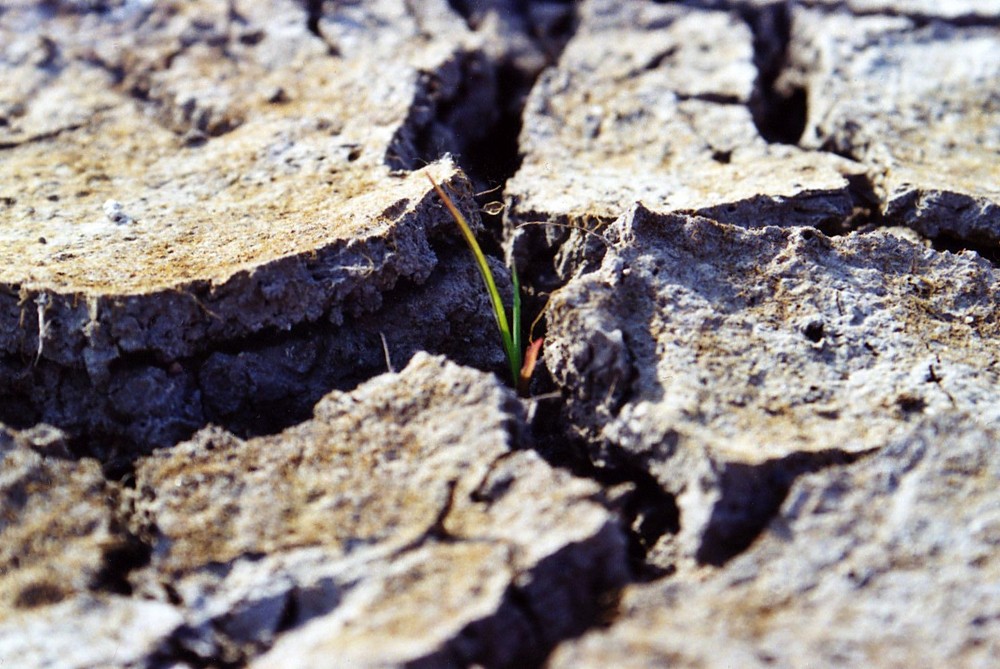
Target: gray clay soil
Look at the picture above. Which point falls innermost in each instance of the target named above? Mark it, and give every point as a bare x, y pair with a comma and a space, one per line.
254, 411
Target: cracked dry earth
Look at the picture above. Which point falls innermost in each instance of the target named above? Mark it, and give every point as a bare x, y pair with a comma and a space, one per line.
253, 407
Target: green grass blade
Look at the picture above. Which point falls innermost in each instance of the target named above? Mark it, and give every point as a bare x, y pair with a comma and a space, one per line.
499, 313
516, 315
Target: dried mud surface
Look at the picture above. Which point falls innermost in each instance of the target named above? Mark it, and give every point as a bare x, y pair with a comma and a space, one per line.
253, 407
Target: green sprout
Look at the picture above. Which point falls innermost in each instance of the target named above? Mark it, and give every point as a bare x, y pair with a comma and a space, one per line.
522, 363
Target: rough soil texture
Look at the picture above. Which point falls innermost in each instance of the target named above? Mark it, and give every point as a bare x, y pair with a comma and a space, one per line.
916, 102
253, 407
839, 580
636, 66
220, 185
724, 360
382, 531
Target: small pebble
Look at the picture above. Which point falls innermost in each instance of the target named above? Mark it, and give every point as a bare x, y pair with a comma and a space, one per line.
115, 213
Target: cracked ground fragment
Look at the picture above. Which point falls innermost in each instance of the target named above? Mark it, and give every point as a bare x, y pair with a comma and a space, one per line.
201, 179
890, 562
648, 104
716, 356
57, 525
62, 546
383, 529
915, 101
285, 185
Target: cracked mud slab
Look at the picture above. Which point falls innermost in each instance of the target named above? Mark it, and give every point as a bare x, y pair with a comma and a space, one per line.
299, 181
383, 530
57, 522
648, 104
62, 547
719, 357
189, 180
890, 562
916, 102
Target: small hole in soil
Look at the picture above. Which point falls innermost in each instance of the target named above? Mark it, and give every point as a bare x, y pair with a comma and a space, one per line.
814, 331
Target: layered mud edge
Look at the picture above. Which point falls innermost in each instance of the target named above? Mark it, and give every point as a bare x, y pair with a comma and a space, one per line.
646, 509
66, 349
95, 344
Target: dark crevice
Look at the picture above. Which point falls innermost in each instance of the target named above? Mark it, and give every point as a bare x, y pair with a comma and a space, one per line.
128, 553
752, 495
437, 531
119, 562
546, 261
41, 137
814, 331
493, 158
55, 7
547, 257
467, 10
314, 12
865, 214
987, 248
535, 249
118, 466
559, 600
291, 614
656, 61
177, 650
711, 98
454, 107
314, 16
479, 122
647, 511
652, 513
488, 490
779, 111
910, 404
866, 207
781, 117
